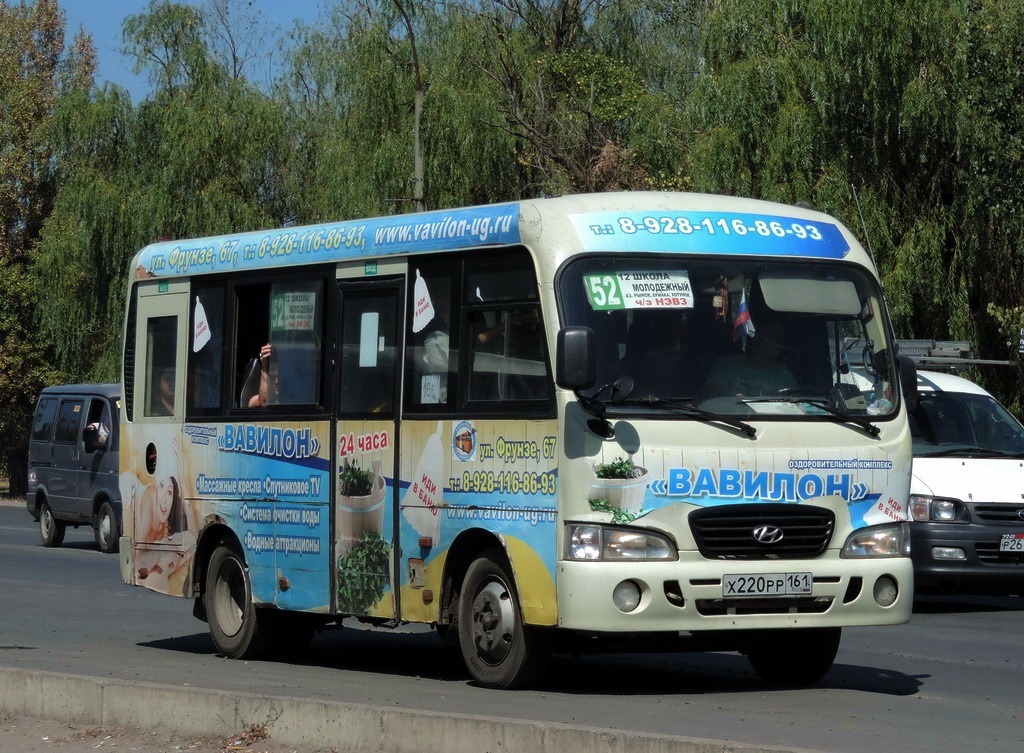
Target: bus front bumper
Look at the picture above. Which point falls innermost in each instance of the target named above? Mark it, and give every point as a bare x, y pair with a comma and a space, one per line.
701, 594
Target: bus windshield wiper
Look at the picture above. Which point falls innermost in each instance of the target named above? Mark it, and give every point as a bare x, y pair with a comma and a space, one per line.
820, 402
689, 406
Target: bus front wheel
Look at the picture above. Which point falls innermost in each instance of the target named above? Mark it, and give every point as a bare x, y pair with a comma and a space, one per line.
794, 656
498, 649
230, 610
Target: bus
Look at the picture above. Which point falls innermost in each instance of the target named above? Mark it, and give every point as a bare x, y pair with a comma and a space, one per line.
612, 422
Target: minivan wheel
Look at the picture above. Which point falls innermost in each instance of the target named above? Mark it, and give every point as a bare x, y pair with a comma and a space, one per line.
106, 529
51, 530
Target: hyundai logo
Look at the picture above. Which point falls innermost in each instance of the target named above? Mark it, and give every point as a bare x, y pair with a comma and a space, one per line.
767, 534
1020, 513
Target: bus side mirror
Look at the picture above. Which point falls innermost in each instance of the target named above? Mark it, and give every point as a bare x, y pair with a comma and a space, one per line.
575, 358
908, 380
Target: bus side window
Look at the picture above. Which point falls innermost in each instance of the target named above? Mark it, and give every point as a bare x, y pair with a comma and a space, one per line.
506, 339
161, 365
205, 365
431, 342
251, 332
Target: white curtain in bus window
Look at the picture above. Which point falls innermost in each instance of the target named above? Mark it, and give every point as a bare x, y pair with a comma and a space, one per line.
161, 365
204, 370
295, 333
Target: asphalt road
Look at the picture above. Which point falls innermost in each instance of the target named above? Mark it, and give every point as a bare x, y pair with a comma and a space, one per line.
952, 679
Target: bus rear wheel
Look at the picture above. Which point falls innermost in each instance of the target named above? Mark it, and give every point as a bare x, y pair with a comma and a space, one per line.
232, 614
498, 649
794, 657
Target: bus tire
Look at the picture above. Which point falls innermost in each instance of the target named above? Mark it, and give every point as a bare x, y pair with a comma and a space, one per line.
232, 615
794, 657
106, 529
51, 530
498, 649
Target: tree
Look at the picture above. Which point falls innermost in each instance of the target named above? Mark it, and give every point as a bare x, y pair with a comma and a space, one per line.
911, 117
35, 74
202, 155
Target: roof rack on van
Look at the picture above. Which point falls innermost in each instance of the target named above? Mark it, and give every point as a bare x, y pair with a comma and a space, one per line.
946, 354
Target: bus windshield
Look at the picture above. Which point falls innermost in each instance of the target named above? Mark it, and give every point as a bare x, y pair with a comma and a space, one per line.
738, 337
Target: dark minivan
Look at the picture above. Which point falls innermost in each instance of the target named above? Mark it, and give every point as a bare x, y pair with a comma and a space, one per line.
73, 463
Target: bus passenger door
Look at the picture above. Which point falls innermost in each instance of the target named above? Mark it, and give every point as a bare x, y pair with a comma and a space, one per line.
155, 490
369, 353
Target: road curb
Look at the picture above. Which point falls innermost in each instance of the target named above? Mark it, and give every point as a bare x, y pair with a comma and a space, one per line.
298, 721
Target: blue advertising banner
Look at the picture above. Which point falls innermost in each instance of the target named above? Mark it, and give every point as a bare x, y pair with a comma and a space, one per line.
312, 244
709, 233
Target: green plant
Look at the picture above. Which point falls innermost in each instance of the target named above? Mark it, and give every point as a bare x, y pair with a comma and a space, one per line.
355, 481
363, 574
618, 515
618, 468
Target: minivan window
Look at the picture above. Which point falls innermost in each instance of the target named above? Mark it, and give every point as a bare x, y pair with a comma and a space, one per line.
42, 428
68, 421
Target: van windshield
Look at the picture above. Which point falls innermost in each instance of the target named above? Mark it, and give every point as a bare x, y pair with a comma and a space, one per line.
733, 336
963, 424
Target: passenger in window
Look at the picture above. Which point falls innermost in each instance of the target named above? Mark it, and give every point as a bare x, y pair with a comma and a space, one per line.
163, 403
270, 387
100, 428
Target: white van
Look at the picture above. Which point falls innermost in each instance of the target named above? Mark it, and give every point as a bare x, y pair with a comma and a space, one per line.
73, 463
967, 490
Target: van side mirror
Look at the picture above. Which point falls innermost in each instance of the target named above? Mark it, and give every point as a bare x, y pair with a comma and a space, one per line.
908, 380
575, 358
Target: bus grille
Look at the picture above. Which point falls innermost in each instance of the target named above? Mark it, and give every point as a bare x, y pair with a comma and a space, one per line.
728, 532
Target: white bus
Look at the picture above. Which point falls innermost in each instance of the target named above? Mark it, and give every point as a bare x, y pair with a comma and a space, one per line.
620, 421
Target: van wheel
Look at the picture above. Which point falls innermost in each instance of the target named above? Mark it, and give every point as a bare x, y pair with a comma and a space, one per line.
106, 529
51, 530
232, 614
794, 657
498, 649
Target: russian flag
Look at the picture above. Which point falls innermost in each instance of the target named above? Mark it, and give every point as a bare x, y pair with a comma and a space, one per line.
742, 326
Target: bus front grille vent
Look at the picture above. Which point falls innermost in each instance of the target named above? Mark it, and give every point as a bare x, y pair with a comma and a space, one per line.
760, 532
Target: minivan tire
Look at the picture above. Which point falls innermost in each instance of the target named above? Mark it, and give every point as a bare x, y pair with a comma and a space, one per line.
51, 530
106, 529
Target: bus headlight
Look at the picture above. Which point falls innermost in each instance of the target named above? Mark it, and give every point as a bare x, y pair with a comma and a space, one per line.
594, 542
889, 540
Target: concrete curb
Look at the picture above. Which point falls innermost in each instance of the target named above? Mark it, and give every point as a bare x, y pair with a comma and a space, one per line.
317, 723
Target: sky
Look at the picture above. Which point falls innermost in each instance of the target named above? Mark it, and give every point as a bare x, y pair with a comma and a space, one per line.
103, 18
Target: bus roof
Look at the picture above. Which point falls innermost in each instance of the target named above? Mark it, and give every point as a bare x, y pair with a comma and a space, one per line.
625, 221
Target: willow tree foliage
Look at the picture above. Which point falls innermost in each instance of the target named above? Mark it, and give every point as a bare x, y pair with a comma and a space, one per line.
35, 72
201, 155
909, 120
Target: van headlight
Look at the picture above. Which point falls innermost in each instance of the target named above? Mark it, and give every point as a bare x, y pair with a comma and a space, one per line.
889, 540
937, 509
585, 541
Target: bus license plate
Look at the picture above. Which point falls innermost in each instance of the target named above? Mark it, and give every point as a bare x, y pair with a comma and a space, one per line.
767, 584
1012, 542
